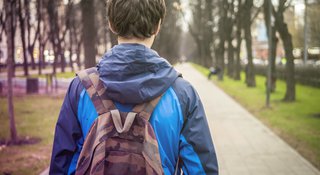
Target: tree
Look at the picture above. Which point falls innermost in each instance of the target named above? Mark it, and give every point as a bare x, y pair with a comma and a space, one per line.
230, 20
43, 34
22, 19
101, 23
250, 74
10, 7
35, 28
76, 32
167, 42
54, 30
220, 49
67, 31
196, 29
286, 38
238, 19
201, 30
58, 31
2, 21
274, 39
88, 32
314, 23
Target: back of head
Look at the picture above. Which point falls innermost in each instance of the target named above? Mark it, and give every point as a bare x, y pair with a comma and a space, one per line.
135, 18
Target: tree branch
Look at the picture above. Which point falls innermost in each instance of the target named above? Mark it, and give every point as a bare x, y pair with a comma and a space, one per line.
3, 20
287, 6
191, 30
255, 15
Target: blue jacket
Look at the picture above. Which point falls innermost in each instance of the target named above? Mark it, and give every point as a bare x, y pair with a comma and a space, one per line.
135, 74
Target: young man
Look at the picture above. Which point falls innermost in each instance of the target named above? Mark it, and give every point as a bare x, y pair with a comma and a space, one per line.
133, 74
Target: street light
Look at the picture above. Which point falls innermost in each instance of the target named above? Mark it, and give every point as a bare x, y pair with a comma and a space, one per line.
269, 55
305, 53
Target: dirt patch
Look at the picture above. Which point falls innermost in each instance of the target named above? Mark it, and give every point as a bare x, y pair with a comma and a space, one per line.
316, 115
26, 159
20, 141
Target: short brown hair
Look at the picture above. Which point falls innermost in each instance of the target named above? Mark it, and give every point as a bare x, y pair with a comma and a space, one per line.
135, 18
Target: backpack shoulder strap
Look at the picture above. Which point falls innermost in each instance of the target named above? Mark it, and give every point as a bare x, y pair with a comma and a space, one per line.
145, 109
96, 90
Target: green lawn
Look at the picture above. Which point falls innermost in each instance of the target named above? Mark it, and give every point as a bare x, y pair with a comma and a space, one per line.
35, 117
298, 123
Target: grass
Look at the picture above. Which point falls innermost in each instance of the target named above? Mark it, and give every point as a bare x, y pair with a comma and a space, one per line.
35, 117
59, 75
298, 123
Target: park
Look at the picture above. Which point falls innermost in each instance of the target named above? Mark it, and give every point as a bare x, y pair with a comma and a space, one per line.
254, 64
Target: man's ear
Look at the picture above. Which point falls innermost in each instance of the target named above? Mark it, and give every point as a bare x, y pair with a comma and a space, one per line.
110, 27
158, 28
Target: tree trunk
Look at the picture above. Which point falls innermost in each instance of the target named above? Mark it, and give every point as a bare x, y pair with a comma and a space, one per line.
41, 50
220, 61
273, 47
55, 35
199, 49
273, 61
10, 13
23, 39
288, 47
237, 66
61, 54
250, 74
30, 45
51, 8
89, 33
41, 45
202, 50
78, 51
282, 28
230, 58
208, 33
229, 22
222, 38
71, 51
78, 38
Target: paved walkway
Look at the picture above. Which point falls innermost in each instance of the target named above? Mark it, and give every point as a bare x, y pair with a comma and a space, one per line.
243, 144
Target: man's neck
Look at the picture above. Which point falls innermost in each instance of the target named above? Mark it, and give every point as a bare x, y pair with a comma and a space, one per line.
146, 42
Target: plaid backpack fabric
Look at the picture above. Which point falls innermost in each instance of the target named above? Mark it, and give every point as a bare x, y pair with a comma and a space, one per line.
118, 143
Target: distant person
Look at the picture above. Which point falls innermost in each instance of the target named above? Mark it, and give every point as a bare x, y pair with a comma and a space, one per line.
135, 80
213, 71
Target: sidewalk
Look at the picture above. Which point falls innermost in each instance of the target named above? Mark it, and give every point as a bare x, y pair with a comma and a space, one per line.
244, 145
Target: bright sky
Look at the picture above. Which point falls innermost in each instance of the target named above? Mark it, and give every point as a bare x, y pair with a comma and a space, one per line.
299, 8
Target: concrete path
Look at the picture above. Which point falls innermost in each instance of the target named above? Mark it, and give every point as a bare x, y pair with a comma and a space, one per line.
243, 144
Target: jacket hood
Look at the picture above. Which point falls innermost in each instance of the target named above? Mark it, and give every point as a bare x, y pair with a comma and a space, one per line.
133, 73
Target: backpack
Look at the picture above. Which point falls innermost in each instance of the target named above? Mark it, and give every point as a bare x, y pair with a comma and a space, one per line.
118, 143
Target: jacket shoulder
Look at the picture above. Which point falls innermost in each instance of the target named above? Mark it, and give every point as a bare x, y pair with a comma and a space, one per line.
186, 94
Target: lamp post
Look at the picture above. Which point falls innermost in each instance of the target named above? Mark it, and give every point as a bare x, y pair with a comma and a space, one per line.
305, 53
269, 55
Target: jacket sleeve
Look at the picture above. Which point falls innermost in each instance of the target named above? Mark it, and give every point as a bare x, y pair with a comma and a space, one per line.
67, 131
196, 152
